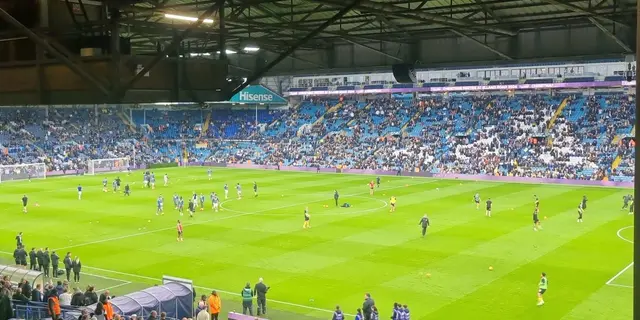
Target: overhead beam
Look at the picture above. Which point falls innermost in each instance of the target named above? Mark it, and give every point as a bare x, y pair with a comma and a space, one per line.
380, 52
45, 45
588, 13
480, 43
392, 10
610, 34
161, 55
293, 48
393, 25
488, 10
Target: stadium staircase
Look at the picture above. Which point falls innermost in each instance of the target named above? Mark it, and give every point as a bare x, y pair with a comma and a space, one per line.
205, 126
414, 118
332, 109
616, 163
127, 122
558, 112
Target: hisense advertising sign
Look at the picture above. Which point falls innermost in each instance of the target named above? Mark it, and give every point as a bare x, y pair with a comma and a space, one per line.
258, 94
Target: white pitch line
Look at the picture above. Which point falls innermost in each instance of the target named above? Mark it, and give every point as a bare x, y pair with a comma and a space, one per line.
623, 238
619, 273
126, 283
620, 285
212, 220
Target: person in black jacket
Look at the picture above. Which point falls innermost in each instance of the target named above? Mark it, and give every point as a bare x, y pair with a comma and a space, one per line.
55, 261
39, 257
77, 300
36, 294
20, 298
26, 288
261, 293
90, 296
68, 264
367, 306
22, 255
15, 255
32, 259
6, 311
76, 265
46, 261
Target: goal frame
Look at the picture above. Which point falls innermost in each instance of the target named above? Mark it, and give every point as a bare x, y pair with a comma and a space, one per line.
91, 170
25, 165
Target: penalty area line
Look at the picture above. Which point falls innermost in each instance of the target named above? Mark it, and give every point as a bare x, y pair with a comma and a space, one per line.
610, 282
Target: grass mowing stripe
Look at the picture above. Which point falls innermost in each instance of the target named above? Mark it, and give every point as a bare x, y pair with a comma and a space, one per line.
197, 223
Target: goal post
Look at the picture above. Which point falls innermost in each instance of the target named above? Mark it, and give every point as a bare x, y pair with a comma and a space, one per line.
107, 165
23, 172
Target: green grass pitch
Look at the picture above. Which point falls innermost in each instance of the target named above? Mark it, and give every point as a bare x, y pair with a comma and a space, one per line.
348, 251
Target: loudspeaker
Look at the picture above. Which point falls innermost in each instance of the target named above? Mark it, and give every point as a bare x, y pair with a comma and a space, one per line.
404, 73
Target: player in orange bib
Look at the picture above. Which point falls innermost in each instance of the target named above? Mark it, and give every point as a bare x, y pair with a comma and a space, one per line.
371, 186
179, 228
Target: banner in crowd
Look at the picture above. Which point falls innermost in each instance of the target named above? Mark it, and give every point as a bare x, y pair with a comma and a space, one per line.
258, 94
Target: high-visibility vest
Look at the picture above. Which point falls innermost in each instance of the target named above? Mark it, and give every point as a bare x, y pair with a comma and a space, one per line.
56, 306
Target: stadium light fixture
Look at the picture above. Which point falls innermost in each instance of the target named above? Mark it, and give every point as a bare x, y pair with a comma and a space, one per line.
228, 51
251, 48
186, 18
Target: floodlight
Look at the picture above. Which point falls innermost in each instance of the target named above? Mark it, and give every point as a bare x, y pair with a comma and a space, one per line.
186, 18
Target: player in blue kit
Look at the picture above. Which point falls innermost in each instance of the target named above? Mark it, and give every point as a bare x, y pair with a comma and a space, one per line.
209, 173
175, 200
215, 202
194, 199
160, 209
239, 191
211, 196
79, 192
104, 185
202, 199
181, 205
226, 191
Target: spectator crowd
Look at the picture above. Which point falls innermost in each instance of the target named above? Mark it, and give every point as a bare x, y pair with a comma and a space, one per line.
556, 135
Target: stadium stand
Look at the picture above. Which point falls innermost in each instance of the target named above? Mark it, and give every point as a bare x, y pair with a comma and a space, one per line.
535, 135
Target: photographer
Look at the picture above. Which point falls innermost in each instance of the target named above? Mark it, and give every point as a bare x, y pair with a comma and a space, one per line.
261, 292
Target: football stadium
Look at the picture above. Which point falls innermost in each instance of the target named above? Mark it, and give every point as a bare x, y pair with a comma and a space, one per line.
317, 159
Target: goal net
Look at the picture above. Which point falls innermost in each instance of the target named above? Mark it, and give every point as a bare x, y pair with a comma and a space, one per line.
107, 165
23, 172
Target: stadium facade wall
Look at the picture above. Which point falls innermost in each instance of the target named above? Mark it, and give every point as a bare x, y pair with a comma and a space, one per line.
447, 176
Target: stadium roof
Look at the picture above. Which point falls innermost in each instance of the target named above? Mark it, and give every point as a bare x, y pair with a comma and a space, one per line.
277, 24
